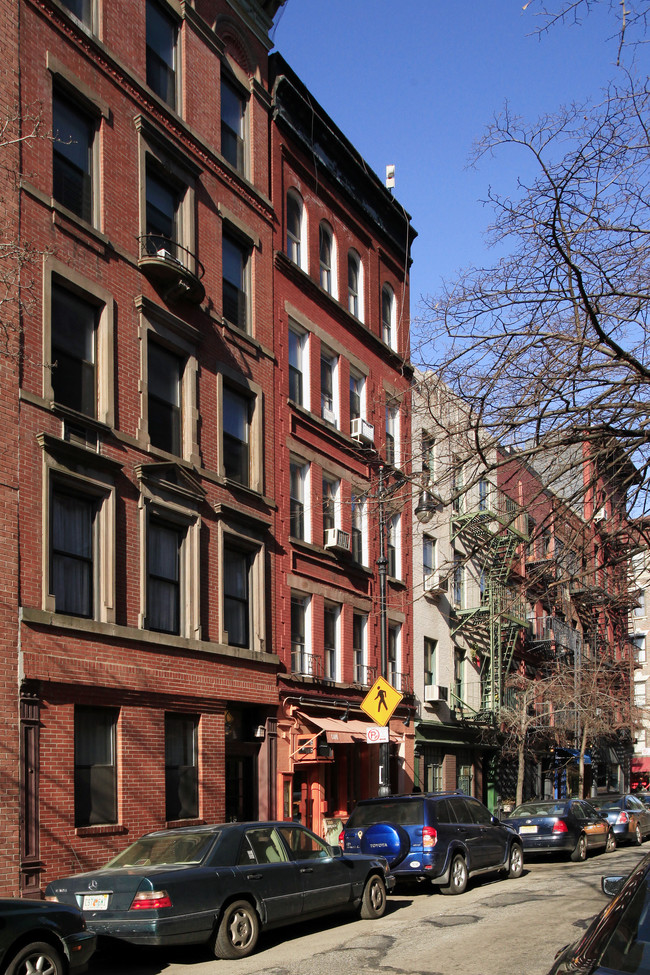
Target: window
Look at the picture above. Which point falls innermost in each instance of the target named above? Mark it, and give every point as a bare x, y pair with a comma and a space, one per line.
82, 9
428, 458
73, 552
95, 778
330, 504
295, 228
355, 285
164, 372
328, 386
297, 367
236, 595
428, 556
331, 616
639, 609
458, 585
388, 315
74, 329
359, 645
483, 494
162, 37
236, 436
459, 675
639, 694
359, 533
430, 660
162, 214
434, 781
233, 121
164, 561
181, 767
298, 472
393, 650
235, 276
393, 546
301, 658
357, 390
72, 162
639, 648
457, 487
392, 436
326, 258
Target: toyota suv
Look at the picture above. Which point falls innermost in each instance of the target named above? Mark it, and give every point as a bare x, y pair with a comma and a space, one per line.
446, 837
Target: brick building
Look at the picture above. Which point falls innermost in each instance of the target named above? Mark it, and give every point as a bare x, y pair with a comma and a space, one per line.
191, 265
146, 416
342, 317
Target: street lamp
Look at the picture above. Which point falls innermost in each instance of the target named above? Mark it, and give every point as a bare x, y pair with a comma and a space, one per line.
424, 512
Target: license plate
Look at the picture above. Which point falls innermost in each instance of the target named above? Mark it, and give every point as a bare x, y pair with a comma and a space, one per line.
528, 829
95, 902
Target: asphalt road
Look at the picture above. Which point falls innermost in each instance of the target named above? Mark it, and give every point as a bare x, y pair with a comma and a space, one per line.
498, 927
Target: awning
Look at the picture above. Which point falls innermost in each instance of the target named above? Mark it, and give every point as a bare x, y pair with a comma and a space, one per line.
340, 732
640, 763
573, 753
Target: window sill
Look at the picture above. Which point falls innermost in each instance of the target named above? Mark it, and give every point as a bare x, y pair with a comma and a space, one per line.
178, 823
109, 829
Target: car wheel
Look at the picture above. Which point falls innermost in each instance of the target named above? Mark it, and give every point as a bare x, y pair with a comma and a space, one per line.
373, 902
238, 931
638, 835
580, 851
516, 864
611, 842
457, 877
37, 957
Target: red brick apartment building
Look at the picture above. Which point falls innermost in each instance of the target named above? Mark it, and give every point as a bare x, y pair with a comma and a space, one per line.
154, 439
342, 318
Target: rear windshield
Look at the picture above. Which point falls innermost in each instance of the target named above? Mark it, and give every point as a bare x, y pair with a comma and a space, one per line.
539, 809
408, 812
154, 851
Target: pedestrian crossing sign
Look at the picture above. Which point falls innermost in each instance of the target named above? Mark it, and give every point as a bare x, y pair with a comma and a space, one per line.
380, 701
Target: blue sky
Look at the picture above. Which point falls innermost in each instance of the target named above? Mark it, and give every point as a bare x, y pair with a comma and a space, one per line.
415, 82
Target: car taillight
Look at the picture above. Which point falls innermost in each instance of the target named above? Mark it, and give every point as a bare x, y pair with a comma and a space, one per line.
623, 817
150, 900
429, 837
559, 826
342, 838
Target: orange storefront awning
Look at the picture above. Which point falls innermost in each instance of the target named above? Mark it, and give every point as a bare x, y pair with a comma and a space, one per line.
340, 732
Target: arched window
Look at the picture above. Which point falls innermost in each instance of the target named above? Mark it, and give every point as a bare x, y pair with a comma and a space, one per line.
355, 285
327, 255
388, 316
295, 217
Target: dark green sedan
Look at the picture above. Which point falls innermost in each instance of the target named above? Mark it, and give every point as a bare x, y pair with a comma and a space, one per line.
223, 884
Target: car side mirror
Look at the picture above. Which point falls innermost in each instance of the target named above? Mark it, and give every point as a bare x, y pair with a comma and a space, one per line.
336, 851
612, 885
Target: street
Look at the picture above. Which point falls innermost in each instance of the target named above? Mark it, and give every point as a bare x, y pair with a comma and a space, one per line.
498, 927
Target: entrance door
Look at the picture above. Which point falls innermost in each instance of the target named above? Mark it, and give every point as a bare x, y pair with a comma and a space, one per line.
241, 787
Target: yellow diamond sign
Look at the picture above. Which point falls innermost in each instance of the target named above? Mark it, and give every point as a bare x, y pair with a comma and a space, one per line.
380, 701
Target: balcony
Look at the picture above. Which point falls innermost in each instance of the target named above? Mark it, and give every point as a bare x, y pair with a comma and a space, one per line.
172, 269
305, 664
364, 675
554, 635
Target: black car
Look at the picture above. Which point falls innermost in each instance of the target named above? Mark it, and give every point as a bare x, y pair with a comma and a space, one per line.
222, 884
570, 826
618, 939
444, 837
39, 937
628, 815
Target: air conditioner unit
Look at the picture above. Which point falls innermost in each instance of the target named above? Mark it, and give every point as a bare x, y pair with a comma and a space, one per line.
362, 431
337, 540
434, 583
434, 692
601, 515
329, 415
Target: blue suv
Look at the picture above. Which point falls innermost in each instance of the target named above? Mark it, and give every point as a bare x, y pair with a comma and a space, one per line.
446, 837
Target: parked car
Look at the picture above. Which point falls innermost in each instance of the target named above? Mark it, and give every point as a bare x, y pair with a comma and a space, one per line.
444, 837
39, 937
222, 884
570, 826
618, 939
629, 816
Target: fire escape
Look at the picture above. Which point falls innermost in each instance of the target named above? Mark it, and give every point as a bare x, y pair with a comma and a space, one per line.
487, 624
